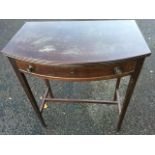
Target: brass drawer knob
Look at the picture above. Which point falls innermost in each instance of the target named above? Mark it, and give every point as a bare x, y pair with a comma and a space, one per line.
117, 70
30, 69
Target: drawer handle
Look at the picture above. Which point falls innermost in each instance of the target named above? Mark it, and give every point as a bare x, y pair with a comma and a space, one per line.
117, 70
72, 72
30, 69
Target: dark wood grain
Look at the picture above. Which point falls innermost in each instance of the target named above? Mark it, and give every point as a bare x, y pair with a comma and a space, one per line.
78, 72
77, 42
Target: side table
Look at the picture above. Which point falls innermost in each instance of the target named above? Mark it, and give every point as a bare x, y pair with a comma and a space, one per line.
78, 50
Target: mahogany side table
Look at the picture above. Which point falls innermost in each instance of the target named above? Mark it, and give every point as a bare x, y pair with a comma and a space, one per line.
78, 50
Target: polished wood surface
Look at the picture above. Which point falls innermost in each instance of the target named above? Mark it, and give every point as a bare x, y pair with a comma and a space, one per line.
78, 72
77, 42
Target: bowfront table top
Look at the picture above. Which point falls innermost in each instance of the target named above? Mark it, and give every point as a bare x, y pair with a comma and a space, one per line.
77, 42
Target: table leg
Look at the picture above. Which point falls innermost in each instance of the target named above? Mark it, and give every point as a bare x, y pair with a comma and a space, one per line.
49, 87
129, 92
117, 86
23, 81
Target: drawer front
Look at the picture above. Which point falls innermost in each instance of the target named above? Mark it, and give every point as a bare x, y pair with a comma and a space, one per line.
78, 71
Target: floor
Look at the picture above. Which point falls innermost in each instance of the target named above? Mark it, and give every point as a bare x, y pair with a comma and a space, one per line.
17, 116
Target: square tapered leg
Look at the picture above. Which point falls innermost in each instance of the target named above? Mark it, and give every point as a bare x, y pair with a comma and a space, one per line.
129, 92
24, 83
